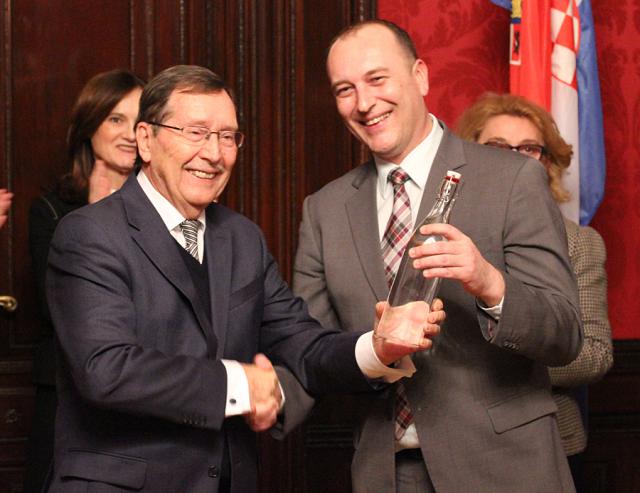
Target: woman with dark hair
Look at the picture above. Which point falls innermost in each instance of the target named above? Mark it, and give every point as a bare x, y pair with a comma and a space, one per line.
102, 153
514, 123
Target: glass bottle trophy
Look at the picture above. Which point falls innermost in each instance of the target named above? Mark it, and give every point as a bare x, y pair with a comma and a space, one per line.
410, 286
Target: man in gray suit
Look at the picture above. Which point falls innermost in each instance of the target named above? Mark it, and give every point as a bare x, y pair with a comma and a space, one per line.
162, 299
483, 417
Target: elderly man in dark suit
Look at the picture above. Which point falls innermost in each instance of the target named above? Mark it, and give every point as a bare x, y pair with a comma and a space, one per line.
161, 299
483, 419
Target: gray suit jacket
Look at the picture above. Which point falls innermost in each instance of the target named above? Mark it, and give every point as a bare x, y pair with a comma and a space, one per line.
588, 256
142, 390
481, 396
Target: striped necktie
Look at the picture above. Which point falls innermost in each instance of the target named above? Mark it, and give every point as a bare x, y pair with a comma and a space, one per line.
394, 241
190, 231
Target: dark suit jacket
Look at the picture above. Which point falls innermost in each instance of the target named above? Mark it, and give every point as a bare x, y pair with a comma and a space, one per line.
141, 386
481, 397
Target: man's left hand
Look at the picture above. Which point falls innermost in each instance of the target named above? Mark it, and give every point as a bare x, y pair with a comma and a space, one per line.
458, 258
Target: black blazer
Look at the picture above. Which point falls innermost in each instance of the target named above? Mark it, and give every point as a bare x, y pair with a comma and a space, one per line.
44, 215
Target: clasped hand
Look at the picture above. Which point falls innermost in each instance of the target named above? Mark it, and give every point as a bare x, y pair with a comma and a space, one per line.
264, 393
419, 315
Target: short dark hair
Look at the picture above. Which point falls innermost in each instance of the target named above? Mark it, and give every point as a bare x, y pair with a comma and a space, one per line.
94, 104
402, 36
183, 78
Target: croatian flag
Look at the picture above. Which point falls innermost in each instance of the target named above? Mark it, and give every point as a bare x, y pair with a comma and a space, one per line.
553, 63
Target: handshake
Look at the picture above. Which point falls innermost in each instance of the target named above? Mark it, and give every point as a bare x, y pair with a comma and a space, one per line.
389, 345
264, 393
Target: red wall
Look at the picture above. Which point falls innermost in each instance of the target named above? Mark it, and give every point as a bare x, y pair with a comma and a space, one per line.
465, 44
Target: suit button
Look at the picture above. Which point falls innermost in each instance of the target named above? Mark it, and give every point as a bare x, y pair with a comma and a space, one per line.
214, 472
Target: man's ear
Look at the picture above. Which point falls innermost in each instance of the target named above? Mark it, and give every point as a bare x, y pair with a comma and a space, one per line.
144, 135
421, 73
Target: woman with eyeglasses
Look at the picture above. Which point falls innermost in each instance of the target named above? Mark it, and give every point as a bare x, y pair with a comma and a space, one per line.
514, 123
102, 153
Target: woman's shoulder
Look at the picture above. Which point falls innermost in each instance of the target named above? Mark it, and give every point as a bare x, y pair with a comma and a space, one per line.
54, 205
584, 240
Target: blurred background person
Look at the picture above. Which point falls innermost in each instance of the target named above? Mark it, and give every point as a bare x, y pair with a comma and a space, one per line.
514, 123
102, 153
5, 203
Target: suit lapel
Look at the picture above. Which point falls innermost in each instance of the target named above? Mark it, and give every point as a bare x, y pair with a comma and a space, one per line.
218, 252
363, 221
150, 233
450, 156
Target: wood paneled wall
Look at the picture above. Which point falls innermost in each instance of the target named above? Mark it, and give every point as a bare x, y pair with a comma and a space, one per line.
272, 54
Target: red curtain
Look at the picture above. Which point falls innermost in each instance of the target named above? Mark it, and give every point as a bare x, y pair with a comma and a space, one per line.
465, 44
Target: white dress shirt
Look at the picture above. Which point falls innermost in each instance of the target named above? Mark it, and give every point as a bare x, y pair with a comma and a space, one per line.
417, 165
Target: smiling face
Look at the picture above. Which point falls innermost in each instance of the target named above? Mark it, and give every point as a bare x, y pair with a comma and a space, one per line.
379, 91
114, 142
189, 175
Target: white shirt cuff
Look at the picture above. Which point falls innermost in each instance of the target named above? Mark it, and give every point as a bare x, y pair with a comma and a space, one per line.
493, 311
372, 367
238, 400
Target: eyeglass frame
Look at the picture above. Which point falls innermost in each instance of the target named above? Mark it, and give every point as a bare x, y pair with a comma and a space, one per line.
503, 145
206, 137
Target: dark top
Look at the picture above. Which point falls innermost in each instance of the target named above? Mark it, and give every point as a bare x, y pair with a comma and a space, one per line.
44, 215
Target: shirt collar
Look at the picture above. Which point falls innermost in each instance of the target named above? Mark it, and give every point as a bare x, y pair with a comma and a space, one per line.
417, 164
169, 214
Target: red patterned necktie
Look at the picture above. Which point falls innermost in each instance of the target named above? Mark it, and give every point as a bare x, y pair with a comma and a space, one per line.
393, 243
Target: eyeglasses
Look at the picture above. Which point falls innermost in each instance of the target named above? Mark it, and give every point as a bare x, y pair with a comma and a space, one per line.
536, 151
199, 135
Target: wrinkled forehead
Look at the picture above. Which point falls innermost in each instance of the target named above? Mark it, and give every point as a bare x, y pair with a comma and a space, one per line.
203, 106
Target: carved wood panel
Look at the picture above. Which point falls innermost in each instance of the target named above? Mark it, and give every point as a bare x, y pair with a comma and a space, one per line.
272, 54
